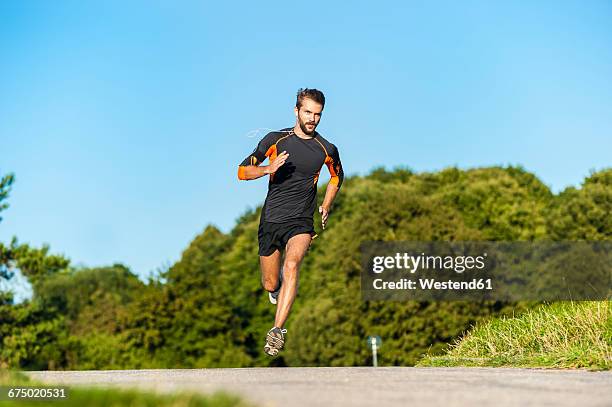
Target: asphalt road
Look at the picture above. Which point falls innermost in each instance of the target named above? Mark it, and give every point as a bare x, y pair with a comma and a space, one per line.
366, 386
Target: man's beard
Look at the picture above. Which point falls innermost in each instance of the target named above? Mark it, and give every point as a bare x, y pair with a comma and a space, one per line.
305, 129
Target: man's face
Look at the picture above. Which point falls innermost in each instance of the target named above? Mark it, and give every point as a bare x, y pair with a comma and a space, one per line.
309, 115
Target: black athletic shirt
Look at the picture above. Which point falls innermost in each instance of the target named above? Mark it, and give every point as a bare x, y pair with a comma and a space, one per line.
292, 190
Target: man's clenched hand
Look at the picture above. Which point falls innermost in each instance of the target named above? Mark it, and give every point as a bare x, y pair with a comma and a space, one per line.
276, 164
324, 214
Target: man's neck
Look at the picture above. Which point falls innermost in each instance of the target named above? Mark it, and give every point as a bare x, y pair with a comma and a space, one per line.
298, 132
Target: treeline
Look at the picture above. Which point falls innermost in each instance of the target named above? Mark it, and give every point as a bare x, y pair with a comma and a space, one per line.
209, 310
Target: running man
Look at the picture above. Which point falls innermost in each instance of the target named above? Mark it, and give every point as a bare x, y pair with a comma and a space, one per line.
296, 156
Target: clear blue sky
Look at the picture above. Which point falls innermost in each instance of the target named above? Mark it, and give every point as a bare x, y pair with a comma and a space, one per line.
124, 122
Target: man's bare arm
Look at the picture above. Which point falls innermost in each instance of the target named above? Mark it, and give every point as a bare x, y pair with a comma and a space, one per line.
337, 177
249, 172
330, 195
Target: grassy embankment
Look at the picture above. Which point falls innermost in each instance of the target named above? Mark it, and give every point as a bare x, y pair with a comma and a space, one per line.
559, 335
107, 397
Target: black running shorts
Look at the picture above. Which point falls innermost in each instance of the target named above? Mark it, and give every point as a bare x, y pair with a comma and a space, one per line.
274, 236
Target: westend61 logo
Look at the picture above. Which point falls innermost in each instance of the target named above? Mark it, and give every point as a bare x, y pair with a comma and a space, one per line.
505, 271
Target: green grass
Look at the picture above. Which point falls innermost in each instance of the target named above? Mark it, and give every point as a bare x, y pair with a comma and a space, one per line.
109, 397
558, 335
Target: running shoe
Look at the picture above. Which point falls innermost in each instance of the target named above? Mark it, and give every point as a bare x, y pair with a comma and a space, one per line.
275, 340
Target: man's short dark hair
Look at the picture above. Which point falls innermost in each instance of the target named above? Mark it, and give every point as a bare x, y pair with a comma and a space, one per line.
312, 94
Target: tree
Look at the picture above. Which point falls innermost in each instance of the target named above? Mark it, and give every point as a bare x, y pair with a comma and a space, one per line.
5, 187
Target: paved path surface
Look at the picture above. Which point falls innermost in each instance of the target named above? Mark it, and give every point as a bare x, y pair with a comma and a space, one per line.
365, 386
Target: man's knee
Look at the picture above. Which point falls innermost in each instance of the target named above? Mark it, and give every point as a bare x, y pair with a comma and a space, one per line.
269, 284
290, 268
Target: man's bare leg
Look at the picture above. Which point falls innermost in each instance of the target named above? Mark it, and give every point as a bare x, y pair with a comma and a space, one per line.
270, 270
296, 248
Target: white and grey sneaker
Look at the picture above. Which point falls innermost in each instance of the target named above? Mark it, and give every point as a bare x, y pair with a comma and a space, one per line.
275, 341
273, 296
